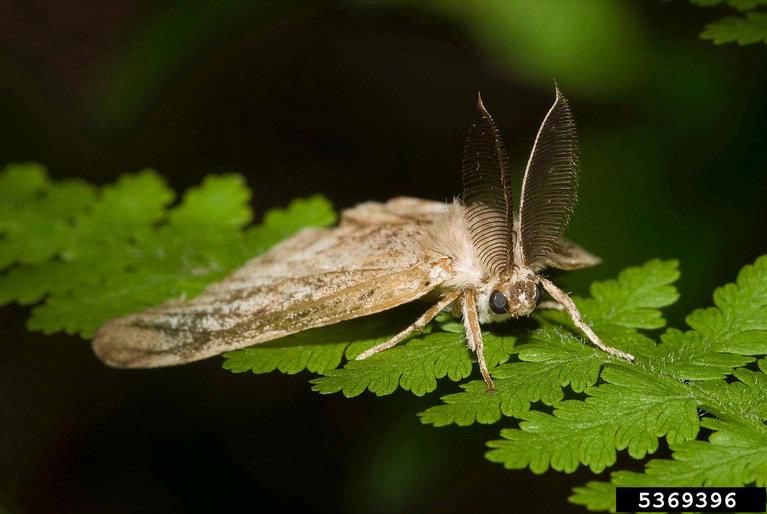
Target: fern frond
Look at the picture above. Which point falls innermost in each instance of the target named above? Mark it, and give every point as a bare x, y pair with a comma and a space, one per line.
87, 254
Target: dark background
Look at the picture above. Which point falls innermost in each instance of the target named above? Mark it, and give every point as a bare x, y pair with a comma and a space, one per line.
357, 100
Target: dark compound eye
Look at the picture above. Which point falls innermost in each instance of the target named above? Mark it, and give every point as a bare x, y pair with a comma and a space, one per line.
498, 302
538, 294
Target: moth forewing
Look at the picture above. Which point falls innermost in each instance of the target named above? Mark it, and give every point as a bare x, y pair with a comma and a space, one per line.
316, 278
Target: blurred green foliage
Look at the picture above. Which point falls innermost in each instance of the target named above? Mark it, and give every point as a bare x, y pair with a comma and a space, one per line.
546, 40
752, 28
746, 29
176, 36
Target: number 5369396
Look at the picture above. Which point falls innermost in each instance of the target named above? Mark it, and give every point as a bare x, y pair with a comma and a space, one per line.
675, 499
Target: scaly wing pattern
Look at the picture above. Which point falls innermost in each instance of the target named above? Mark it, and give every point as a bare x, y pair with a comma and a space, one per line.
316, 278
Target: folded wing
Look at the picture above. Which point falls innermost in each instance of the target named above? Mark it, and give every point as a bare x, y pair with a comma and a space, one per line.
372, 262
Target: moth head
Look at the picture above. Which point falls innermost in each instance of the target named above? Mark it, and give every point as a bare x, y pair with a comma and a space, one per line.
517, 297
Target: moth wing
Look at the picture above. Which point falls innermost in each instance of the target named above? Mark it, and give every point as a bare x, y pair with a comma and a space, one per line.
316, 278
397, 211
570, 256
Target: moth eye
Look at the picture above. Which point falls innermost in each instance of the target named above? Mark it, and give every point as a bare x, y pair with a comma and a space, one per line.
538, 294
498, 302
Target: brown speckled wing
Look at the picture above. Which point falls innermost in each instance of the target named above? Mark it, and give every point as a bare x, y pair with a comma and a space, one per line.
372, 262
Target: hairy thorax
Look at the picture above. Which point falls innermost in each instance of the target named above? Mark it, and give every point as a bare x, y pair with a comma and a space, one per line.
449, 236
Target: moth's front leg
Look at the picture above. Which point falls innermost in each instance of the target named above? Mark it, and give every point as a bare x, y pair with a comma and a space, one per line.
575, 315
417, 326
474, 334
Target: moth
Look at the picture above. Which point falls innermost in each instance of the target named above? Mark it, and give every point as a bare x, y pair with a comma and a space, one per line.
480, 259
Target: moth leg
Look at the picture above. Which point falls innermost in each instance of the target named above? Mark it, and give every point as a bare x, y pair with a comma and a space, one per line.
551, 305
572, 310
419, 324
474, 335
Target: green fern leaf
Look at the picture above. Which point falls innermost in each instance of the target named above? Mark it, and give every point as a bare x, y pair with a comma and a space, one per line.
595, 495
91, 254
634, 299
744, 398
697, 362
724, 335
651, 398
35, 214
628, 413
317, 350
556, 361
738, 322
734, 455
414, 366
655, 396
